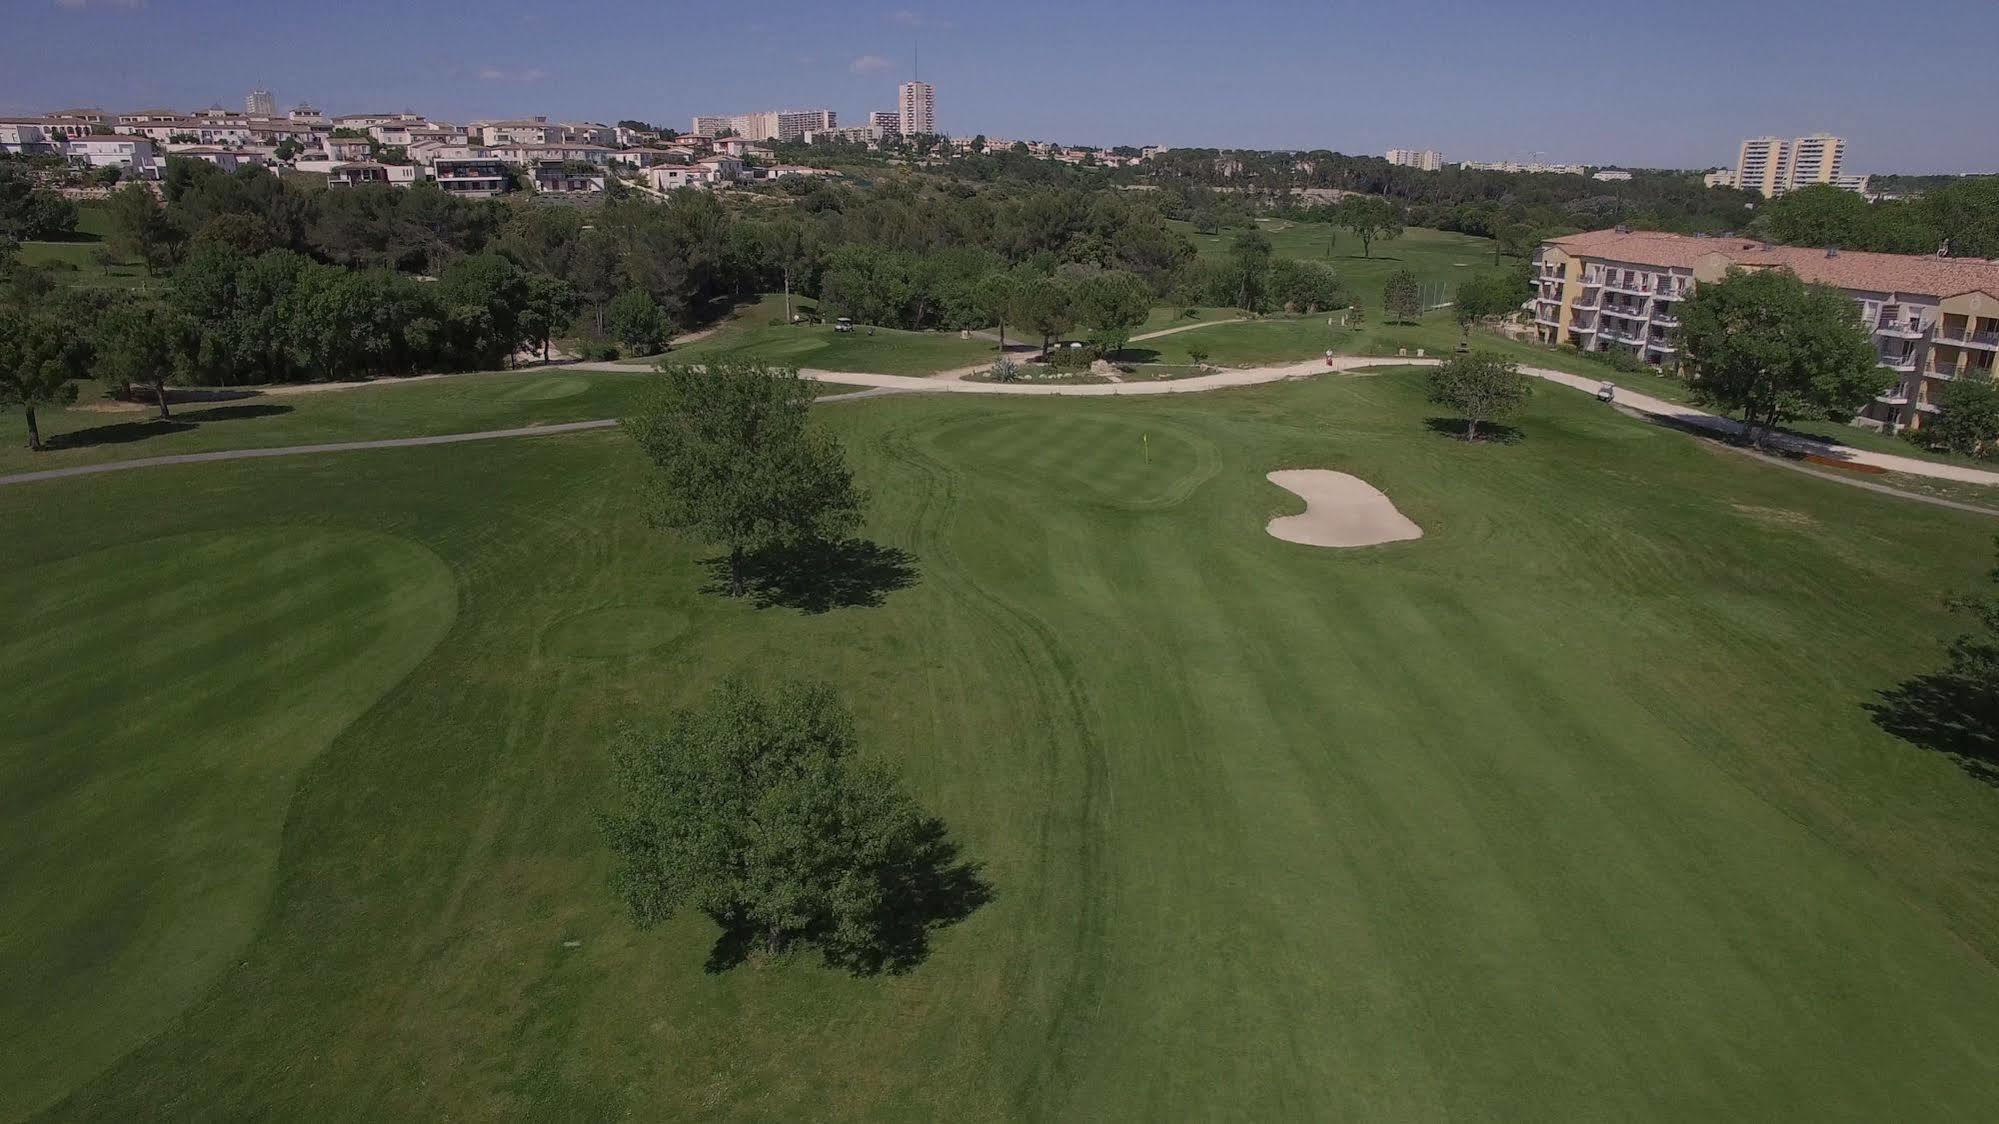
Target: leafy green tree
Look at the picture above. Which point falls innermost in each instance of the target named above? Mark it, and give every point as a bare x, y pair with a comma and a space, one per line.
486, 298
1112, 304
1304, 286
146, 345
1370, 218
637, 322
1045, 306
1199, 356
1481, 386
1819, 215
142, 229
1249, 256
29, 212
1769, 345
1967, 419
739, 464
757, 810
1402, 297
551, 306
1965, 215
1488, 294
997, 295
40, 359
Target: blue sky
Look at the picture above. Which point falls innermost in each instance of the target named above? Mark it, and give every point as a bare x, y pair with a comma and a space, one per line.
1670, 82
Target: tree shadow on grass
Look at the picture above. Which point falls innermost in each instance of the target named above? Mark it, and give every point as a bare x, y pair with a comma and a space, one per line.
1134, 355
815, 577
119, 433
925, 887
1946, 714
236, 413
1498, 433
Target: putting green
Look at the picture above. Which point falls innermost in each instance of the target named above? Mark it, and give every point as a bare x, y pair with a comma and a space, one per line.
162, 699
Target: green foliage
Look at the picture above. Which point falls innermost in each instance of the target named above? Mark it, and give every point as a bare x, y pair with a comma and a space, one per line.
1481, 386
1965, 216
1769, 345
1111, 304
1199, 355
1402, 297
1819, 215
637, 322
739, 464
146, 345
40, 359
1371, 219
1296, 285
1249, 260
1045, 307
141, 228
28, 212
1967, 419
756, 810
1488, 294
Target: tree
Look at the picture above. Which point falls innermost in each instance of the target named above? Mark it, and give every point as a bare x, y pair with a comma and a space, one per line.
1370, 218
1045, 307
756, 809
1965, 215
1967, 418
1112, 304
738, 464
31, 213
1482, 386
1819, 215
1199, 356
142, 229
1402, 297
637, 323
1249, 255
146, 345
1769, 345
1298, 285
551, 306
1488, 294
39, 361
996, 296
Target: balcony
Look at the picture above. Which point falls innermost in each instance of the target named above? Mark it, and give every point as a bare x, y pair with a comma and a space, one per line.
1906, 364
1900, 327
1988, 341
1666, 319
1546, 321
1634, 287
1626, 312
1664, 347
1588, 303
1893, 396
1582, 329
1670, 294
1590, 282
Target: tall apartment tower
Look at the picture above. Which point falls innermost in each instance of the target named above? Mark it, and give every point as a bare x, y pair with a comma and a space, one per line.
1426, 160
919, 109
261, 103
887, 120
1763, 166
1815, 159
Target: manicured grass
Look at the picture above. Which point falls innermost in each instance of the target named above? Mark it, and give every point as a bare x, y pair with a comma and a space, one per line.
1437, 257
1569, 809
390, 408
84, 255
757, 333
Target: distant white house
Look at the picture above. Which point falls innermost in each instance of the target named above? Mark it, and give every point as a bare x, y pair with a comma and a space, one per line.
1609, 175
132, 152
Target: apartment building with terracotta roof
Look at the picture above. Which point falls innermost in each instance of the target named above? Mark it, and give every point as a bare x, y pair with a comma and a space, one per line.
1934, 319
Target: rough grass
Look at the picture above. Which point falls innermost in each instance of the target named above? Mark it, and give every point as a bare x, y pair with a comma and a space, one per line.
1568, 810
1435, 256
749, 335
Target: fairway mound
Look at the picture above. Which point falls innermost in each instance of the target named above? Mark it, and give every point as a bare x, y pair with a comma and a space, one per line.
1340, 510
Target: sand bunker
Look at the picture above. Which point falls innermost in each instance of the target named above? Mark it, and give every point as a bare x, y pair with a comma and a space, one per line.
1340, 510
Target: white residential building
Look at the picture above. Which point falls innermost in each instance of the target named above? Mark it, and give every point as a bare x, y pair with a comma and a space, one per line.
1771, 166
1427, 160
889, 121
133, 152
261, 103
918, 102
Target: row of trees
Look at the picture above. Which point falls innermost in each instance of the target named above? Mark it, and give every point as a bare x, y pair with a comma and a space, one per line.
1961, 216
29, 211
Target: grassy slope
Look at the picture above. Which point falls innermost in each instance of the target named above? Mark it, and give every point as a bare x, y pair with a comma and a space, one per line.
391, 408
749, 334
171, 692
82, 254
1568, 809
1435, 256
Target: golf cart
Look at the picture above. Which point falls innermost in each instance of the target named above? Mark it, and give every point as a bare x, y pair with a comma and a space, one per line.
844, 324
1607, 392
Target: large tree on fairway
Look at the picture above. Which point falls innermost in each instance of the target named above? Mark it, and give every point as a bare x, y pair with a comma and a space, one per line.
1370, 218
141, 228
1111, 304
146, 345
39, 360
1480, 386
1487, 294
551, 305
1401, 297
738, 462
1770, 346
756, 810
637, 322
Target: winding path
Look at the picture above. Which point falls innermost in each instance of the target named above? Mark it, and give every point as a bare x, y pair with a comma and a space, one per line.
878, 385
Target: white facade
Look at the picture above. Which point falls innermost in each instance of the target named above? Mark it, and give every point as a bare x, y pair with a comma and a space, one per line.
918, 108
131, 152
889, 121
1427, 160
261, 103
